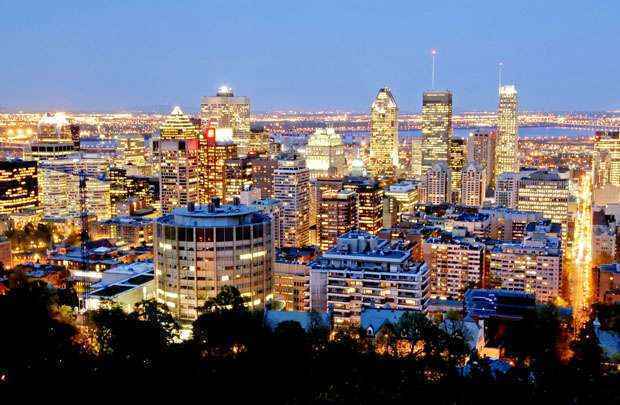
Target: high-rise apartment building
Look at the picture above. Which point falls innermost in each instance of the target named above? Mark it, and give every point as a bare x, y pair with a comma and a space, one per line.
224, 110
481, 149
336, 215
19, 188
179, 177
436, 128
533, 266
473, 184
362, 271
436, 185
455, 264
178, 126
506, 149
291, 182
383, 135
200, 249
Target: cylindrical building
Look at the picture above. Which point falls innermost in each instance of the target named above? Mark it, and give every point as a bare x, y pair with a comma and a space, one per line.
200, 249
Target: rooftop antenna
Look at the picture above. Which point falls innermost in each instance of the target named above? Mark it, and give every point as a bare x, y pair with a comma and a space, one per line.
433, 55
499, 73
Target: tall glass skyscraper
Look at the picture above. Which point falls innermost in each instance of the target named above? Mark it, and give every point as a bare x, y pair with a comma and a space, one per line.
436, 128
383, 135
178, 126
224, 110
506, 149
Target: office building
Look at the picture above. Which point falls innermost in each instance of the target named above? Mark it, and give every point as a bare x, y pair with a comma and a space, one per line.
506, 149
200, 249
238, 177
19, 187
545, 191
383, 135
363, 271
456, 162
291, 181
216, 148
369, 203
262, 174
179, 175
473, 184
325, 154
336, 215
436, 128
481, 149
178, 126
607, 156
224, 110
416, 157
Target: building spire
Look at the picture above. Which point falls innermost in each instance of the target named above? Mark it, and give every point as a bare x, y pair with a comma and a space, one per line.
433, 56
499, 73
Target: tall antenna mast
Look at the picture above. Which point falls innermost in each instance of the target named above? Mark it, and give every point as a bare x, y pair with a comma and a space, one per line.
499, 73
433, 55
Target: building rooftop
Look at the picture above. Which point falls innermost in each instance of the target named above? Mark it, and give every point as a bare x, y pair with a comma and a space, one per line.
214, 215
610, 268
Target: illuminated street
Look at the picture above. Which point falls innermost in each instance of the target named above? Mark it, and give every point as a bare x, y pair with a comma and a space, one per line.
580, 273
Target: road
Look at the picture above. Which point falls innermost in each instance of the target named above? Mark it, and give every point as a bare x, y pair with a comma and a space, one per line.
580, 263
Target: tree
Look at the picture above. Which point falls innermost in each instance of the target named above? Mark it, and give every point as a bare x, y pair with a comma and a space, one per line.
227, 327
229, 298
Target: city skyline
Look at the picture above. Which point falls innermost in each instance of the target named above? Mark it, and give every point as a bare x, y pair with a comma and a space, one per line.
105, 63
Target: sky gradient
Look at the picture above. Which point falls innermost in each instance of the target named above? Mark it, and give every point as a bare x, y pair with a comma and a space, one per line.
314, 55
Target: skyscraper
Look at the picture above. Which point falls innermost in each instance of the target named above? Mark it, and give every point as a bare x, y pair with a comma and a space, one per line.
216, 147
506, 149
369, 202
291, 186
325, 154
416, 157
18, 186
179, 177
336, 215
383, 135
224, 110
481, 149
546, 191
456, 162
607, 154
178, 126
436, 127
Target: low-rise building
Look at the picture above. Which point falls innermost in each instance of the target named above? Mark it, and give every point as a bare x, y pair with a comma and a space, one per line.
291, 278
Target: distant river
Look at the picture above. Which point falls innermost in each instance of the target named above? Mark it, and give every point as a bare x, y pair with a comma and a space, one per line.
524, 132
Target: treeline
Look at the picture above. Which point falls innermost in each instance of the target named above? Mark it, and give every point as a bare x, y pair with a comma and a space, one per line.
234, 354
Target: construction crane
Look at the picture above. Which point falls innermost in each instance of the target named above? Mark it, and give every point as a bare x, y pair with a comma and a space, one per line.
84, 237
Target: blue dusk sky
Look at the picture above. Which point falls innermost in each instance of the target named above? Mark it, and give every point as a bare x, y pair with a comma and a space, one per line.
307, 55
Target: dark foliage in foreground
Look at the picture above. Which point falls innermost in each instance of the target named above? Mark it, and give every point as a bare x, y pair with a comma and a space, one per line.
233, 353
